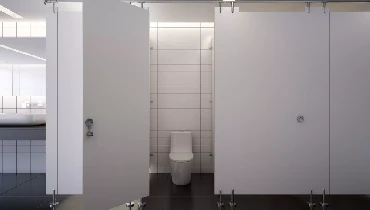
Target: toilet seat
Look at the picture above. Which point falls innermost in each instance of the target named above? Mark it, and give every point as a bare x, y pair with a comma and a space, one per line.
181, 157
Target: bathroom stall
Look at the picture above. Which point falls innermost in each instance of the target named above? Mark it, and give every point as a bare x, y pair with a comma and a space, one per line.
297, 122
98, 91
260, 92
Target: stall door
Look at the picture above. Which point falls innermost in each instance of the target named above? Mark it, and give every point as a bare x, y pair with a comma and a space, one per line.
272, 102
116, 103
350, 103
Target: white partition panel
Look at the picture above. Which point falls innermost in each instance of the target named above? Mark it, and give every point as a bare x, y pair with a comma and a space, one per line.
349, 103
116, 94
269, 69
52, 102
70, 102
64, 140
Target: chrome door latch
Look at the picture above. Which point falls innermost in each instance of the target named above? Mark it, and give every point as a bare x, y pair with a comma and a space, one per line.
300, 119
89, 123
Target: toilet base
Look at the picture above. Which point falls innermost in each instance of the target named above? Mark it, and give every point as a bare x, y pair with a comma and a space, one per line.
181, 179
181, 172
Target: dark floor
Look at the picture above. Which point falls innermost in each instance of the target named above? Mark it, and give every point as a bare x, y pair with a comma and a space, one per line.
27, 192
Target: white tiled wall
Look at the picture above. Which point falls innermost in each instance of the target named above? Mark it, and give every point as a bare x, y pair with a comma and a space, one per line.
22, 156
23, 104
181, 91
23, 29
22, 80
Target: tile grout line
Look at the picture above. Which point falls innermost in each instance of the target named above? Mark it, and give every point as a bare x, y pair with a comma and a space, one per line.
20, 185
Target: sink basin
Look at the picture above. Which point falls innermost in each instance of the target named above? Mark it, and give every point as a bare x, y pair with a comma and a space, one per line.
22, 119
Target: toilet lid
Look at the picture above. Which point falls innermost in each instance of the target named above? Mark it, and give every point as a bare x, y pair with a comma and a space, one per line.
181, 157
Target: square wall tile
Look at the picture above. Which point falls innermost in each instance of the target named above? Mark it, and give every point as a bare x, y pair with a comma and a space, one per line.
196, 163
9, 142
206, 101
164, 148
10, 102
178, 119
38, 162
179, 38
196, 148
164, 145
207, 163
153, 38
153, 67
153, 82
176, 68
153, 145
38, 142
153, 56
38, 102
24, 162
24, 111
9, 163
153, 134
206, 145
23, 149
206, 119
164, 141
207, 35
185, 57
38, 111
23, 102
178, 82
207, 24
206, 134
9, 149
178, 101
153, 163
153, 101
196, 141
206, 57
206, 67
206, 78
38, 149
153, 119
9, 111
164, 163
153, 24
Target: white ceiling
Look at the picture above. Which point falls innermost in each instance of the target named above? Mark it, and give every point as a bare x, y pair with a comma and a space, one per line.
30, 10
34, 46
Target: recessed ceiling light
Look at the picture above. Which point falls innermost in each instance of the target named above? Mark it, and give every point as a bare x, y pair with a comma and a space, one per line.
9, 12
21, 52
228, 0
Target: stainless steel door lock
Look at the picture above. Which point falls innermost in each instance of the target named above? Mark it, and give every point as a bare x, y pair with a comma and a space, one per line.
89, 123
300, 119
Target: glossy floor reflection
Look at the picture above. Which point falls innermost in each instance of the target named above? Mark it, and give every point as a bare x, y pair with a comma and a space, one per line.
27, 192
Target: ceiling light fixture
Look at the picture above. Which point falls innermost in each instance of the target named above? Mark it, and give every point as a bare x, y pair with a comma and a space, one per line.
21, 52
9, 12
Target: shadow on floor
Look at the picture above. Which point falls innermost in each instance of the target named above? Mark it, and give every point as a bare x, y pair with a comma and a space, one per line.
27, 192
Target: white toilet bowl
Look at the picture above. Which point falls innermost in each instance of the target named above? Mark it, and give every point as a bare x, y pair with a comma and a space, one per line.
181, 157
181, 167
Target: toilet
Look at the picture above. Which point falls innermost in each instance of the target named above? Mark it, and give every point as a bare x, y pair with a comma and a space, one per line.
181, 157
